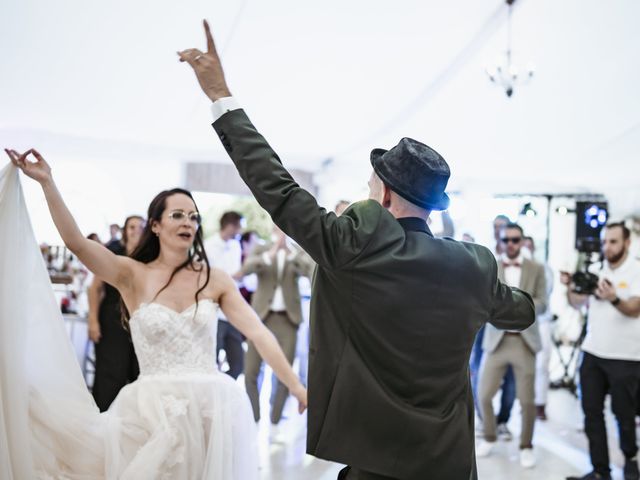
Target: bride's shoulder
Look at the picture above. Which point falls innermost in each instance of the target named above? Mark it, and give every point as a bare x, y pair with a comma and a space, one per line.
219, 275
220, 282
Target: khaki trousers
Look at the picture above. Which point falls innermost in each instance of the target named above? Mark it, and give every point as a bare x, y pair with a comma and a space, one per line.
286, 333
512, 350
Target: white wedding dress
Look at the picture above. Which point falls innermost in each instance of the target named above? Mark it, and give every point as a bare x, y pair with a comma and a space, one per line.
182, 418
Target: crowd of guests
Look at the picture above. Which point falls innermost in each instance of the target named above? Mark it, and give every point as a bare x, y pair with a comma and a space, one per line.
511, 363
516, 364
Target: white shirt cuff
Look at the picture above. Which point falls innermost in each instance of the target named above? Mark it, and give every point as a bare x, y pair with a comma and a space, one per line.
222, 106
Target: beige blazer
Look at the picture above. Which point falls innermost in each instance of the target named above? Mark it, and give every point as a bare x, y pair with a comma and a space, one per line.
296, 264
532, 281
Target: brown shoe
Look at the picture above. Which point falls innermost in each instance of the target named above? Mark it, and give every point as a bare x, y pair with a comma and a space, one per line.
540, 413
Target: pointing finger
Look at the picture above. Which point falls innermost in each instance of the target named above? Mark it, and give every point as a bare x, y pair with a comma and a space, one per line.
211, 46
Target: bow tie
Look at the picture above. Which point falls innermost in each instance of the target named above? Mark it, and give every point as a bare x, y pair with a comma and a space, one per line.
515, 263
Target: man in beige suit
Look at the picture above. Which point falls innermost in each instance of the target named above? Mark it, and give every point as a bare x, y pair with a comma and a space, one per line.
277, 302
504, 348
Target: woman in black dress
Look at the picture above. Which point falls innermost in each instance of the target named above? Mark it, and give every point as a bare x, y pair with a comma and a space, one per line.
116, 362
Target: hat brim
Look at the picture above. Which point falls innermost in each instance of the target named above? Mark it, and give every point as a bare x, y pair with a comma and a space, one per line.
442, 203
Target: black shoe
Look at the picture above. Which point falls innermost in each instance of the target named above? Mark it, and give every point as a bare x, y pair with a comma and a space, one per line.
592, 476
631, 471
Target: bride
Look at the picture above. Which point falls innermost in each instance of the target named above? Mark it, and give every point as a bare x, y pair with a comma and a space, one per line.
181, 419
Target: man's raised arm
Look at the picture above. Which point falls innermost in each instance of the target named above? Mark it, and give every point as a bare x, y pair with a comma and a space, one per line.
330, 240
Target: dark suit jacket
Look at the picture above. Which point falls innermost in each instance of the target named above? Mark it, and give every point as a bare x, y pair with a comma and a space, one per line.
394, 312
299, 264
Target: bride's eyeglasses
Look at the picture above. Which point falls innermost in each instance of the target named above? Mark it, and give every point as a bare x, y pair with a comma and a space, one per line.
180, 215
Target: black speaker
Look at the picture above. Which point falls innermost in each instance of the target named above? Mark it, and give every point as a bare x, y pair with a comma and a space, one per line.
591, 217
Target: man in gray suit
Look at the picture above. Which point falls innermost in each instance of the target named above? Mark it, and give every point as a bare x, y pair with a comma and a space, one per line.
277, 303
394, 310
512, 348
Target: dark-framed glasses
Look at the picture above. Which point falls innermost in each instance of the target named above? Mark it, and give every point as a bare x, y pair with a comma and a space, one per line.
515, 240
180, 215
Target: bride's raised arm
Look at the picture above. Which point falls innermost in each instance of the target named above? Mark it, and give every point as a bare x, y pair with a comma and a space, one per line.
243, 317
114, 269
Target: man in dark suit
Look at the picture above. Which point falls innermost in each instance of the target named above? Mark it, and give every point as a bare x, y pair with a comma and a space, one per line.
394, 311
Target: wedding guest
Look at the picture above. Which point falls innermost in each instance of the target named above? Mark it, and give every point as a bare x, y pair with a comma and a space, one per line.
116, 362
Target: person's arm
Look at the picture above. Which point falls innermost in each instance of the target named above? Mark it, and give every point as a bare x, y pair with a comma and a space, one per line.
245, 319
539, 294
511, 308
448, 228
254, 263
303, 264
114, 269
95, 294
629, 307
330, 240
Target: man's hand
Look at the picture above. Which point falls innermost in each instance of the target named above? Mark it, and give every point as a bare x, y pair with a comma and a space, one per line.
238, 275
207, 68
606, 291
565, 278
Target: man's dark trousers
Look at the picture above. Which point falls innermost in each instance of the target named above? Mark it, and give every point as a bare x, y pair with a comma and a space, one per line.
230, 340
620, 378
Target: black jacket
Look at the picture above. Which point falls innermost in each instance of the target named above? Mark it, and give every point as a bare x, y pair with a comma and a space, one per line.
394, 312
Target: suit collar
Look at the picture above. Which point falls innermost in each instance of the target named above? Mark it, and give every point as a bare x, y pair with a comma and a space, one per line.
414, 224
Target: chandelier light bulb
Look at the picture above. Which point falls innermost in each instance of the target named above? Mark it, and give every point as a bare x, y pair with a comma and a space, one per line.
505, 73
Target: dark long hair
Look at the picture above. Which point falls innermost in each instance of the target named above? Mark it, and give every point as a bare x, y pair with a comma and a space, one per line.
149, 246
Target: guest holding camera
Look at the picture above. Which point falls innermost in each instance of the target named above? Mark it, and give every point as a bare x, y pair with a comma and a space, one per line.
611, 361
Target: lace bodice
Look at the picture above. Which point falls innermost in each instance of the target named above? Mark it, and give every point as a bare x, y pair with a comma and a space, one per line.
170, 342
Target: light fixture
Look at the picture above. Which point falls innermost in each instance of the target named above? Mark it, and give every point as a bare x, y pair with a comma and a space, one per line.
595, 216
528, 210
505, 73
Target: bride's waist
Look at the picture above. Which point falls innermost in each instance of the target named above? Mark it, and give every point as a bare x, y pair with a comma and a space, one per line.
180, 376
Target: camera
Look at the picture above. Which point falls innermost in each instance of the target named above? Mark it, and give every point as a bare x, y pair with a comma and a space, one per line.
585, 282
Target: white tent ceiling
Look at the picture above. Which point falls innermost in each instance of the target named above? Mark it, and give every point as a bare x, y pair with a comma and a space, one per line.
332, 79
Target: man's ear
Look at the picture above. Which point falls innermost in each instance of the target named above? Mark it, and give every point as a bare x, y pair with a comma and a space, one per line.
386, 197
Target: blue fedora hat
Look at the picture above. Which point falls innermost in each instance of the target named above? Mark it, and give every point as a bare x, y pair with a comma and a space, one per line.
414, 171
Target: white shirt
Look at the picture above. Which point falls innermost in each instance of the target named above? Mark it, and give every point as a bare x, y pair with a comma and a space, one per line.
222, 106
610, 333
225, 255
513, 273
277, 304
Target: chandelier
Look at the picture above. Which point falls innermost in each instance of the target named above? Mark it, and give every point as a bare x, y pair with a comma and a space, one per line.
505, 73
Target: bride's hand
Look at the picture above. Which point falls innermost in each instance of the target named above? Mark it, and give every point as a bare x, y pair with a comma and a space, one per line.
39, 170
301, 395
